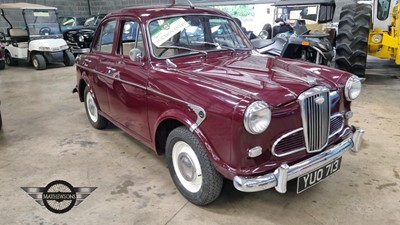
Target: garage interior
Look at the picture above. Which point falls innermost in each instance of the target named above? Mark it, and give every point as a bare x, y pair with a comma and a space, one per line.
46, 136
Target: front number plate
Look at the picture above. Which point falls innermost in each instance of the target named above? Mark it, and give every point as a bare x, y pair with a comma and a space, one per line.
312, 178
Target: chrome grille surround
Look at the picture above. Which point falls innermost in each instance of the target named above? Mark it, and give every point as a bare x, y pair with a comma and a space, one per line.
315, 117
337, 120
276, 147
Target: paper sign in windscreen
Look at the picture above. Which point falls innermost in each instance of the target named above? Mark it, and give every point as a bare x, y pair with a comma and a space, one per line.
168, 29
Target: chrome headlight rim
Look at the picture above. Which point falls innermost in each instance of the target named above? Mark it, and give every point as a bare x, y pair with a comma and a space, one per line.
81, 38
250, 122
353, 84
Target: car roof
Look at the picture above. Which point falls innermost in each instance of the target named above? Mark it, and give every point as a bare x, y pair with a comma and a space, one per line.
24, 5
149, 12
303, 2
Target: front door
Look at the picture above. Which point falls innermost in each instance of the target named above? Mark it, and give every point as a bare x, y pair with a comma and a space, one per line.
128, 100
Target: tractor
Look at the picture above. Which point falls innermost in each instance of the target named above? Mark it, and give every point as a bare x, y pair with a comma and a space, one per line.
367, 28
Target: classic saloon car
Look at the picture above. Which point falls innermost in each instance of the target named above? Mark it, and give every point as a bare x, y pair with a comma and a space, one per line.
211, 105
80, 37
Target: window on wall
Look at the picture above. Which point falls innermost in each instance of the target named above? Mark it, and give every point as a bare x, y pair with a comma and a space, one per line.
105, 42
131, 37
383, 9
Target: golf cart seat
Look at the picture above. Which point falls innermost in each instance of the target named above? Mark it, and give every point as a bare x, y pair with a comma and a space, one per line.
19, 36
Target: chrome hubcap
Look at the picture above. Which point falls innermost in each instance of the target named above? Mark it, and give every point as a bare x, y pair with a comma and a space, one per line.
91, 106
186, 167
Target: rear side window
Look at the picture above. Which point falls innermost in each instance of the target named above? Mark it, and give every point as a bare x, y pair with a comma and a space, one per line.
106, 39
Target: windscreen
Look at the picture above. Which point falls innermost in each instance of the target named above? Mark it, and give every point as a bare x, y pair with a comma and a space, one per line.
183, 35
42, 23
305, 12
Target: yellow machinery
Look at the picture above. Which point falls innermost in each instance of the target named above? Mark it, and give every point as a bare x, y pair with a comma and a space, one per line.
367, 29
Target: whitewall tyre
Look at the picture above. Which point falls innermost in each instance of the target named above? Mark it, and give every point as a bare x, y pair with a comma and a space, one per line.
190, 168
97, 121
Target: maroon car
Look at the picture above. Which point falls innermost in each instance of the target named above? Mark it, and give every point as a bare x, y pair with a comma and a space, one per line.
186, 82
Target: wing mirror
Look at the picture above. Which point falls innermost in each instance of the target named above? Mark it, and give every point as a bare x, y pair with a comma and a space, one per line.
135, 55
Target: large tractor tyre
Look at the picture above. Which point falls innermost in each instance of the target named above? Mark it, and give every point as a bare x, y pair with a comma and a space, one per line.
352, 38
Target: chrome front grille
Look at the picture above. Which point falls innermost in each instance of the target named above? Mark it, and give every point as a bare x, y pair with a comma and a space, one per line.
315, 114
294, 141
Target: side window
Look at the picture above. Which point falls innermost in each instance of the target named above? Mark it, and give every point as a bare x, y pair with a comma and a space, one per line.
383, 9
106, 38
131, 37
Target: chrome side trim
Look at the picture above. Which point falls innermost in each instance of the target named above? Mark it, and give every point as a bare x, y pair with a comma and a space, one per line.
201, 116
199, 111
282, 137
279, 178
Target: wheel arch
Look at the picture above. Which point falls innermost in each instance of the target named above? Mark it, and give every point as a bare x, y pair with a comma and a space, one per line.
170, 120
81, 89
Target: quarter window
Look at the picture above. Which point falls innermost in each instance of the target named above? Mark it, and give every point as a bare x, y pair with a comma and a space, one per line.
105, 42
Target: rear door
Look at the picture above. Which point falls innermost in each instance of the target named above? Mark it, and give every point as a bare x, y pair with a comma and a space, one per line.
103, 52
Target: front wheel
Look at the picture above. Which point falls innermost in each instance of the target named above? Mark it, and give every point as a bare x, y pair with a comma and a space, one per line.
39, 62
190, 168
97, 121
352, 38
69, 59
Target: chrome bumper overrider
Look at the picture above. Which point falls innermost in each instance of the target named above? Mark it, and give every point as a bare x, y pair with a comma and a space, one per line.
284, 173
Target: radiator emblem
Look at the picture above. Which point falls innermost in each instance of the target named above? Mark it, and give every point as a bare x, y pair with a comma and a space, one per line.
319, 100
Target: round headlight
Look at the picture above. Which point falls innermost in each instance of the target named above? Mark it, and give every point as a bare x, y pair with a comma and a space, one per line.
257, 117
81, 38
353, 88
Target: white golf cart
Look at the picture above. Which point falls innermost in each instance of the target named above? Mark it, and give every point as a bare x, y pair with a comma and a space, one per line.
40, 41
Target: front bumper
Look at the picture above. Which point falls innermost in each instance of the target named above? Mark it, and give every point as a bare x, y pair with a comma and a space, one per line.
284, 173
77, 50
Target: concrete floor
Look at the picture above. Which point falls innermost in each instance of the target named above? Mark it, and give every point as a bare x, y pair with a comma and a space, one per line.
46, 136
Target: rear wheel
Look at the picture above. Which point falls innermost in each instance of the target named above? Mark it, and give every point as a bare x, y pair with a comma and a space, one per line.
191, 170
69, 59
39, 62
97, 121
2, 64
352, 38
9, 60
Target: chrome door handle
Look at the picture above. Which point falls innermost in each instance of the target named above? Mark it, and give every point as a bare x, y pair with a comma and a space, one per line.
88, 60
111, 69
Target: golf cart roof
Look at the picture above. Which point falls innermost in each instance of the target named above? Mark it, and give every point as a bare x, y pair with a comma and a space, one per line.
304, 2
24, 5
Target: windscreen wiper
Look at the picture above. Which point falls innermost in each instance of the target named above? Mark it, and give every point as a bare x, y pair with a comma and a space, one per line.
214, 44
179, 47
